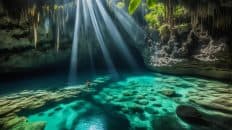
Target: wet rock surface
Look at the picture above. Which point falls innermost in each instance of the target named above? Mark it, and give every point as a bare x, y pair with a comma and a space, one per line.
169, 92
190, 115
216, 97
142, 100
13, 107
167, 123
197, 53
29, 101
18, 52
202, 118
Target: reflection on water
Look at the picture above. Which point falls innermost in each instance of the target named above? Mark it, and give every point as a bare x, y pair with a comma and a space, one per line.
91, 123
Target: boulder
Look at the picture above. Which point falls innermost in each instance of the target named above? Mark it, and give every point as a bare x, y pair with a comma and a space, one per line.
169, 93
206, 119
167, 122
191, 115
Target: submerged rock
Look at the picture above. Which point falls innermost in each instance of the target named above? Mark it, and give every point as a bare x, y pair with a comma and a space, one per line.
191, 115
20, 123
207, 119
27, 102
169, 93
14, 122
30, 126
136, 109
127, 93
140, 97
167, 122
214, 96
157, 105
142, 102
151, 110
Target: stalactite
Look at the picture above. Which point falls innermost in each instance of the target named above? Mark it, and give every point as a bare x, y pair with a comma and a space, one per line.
213, 15
35, 34
58, 39
38, 17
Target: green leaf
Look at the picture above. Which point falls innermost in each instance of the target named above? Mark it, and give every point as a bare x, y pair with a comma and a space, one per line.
134, 4
151, 2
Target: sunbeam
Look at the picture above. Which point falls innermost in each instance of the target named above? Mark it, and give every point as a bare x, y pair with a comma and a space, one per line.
129, 24
100, 39
74, 60
89, 13
112, 29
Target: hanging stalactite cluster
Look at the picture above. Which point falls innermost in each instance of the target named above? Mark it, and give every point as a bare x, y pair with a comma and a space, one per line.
54, 15
213, 15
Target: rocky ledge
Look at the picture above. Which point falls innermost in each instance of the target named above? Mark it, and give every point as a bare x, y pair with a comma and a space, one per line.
183, 50
213, 97
213, 106
13, 107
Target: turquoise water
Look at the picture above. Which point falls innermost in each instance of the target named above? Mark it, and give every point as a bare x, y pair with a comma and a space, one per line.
131, 102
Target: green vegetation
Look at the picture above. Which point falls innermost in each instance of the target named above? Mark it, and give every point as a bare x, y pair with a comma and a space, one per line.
160, 12
164, 30
156, 15
134, 4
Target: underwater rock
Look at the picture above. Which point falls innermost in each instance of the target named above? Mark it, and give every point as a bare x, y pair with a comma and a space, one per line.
27, 102
58, 108
152, 98
157, 105
141, 116
169, 92
127, 93
208, 119
140, 128
36, 126
124, 99
167, 122
30, 126
13, 122
142, 102
151, 110
125, 110
136, 109
20, 123
191, 115
213, 96
140, 97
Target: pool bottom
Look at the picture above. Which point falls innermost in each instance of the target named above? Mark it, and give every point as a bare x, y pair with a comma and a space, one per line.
145, 101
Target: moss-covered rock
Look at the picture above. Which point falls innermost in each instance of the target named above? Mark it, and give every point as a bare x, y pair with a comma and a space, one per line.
164, 31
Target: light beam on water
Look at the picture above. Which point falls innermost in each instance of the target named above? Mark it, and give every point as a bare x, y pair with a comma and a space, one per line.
98, 33
74, 55
87, 19
129, 24
86, 29
112, 29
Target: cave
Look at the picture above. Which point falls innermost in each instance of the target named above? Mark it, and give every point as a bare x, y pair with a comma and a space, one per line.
115, 64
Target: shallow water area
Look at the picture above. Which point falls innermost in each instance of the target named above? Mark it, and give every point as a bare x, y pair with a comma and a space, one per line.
133, 101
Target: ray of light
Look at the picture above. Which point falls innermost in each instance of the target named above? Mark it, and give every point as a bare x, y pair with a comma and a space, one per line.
129, 24
99, 36
112, 29
74, 55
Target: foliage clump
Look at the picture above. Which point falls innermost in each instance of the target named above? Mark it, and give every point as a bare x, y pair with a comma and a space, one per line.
155, 17
161, 12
